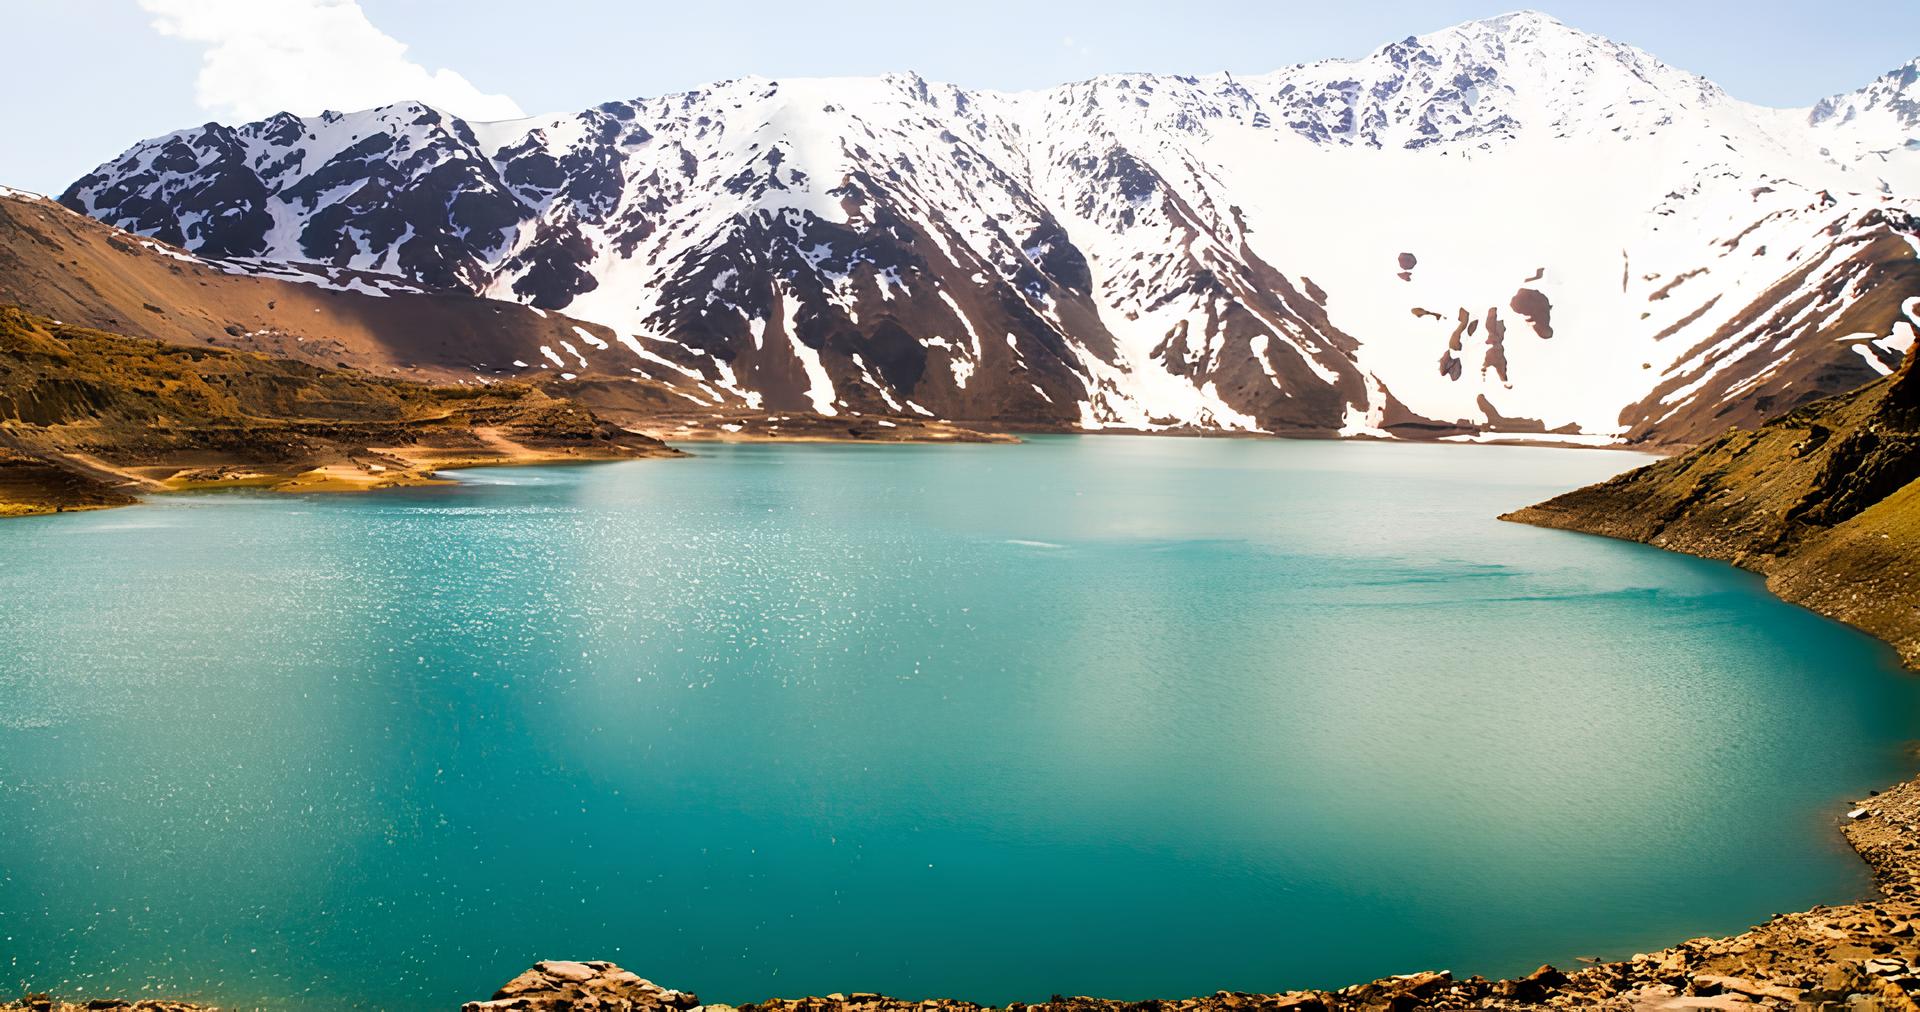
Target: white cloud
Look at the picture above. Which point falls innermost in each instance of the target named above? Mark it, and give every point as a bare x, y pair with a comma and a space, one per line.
303, 56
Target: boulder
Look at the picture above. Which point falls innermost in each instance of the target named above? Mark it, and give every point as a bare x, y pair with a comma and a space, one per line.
559, 985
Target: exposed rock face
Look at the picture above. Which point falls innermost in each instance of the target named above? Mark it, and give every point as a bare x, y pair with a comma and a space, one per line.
1885, 829
1133, 251
1864, 294
1536, 309
1824, 501
30, 485
75, 269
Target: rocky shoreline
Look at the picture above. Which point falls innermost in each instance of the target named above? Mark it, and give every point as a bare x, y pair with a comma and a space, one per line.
1859, 956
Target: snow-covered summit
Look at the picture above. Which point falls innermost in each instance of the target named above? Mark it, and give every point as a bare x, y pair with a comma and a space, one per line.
1875, 129
1506, 226
1895, 94
1486, 81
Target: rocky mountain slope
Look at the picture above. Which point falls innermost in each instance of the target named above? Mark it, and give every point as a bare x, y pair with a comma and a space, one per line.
78, 270
1824, 501
1507, 227
75, 269
88, 418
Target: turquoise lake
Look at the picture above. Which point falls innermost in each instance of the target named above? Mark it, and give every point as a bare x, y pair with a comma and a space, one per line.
1133, 717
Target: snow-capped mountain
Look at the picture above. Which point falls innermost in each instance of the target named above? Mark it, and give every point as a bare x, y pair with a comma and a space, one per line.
1501, 228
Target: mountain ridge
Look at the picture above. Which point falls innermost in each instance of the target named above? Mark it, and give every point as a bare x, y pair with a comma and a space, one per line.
1507, 228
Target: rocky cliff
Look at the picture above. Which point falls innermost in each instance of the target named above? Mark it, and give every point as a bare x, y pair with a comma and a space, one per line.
72, 268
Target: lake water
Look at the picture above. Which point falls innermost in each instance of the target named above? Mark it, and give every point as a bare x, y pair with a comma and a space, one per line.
1125, 716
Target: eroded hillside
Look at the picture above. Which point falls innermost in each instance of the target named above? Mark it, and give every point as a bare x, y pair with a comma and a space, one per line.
90, 418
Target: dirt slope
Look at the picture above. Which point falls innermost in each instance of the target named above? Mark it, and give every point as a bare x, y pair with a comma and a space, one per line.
74, 269
88, 417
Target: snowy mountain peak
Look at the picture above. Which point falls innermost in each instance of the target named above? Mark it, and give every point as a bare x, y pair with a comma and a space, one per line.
1874, 130
1516, 29
1522, 19
1504, 226
1480, 83
1896, 94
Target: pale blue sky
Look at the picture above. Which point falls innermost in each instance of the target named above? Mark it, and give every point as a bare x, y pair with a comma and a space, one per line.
106, 78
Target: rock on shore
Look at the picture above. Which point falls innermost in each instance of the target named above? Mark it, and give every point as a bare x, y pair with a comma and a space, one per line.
1858, 956
1838, 957
558, 985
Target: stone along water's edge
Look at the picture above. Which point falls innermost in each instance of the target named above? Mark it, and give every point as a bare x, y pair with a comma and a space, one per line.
1861, 955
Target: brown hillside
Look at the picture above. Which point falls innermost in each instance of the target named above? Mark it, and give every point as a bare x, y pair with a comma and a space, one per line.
72, 268
87, 417
1824, 500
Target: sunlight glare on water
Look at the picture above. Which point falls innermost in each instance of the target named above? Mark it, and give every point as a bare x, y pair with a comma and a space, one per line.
1122, 716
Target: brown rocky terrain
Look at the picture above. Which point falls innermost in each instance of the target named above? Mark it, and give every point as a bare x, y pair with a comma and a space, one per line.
88, 418
1823, 501
1803, 364
76, 270
71, 268
30, 485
